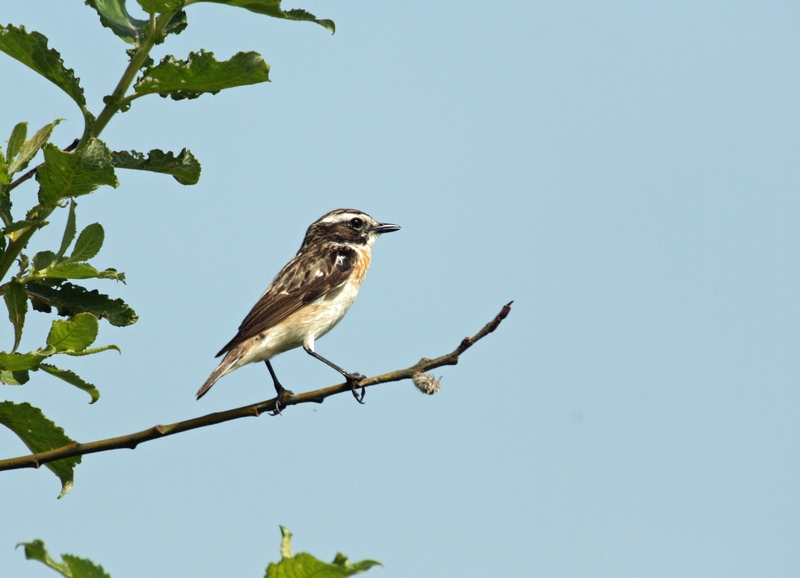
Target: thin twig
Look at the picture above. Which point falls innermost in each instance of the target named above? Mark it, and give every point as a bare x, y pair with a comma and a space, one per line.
32, 171
130, 441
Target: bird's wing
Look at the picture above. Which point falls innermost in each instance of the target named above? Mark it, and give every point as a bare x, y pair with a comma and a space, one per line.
304, 279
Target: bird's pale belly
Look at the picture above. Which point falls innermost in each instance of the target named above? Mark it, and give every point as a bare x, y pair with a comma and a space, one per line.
303, 326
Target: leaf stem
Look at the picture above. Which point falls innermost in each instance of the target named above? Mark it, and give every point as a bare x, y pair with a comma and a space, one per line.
116, 100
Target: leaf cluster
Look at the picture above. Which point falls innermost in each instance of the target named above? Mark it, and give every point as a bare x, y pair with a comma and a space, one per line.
302, 565
52, 280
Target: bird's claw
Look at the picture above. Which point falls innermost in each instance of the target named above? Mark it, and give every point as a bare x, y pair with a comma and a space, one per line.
280, 401
353, 379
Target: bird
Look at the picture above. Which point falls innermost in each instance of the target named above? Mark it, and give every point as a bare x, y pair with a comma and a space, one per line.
307, 298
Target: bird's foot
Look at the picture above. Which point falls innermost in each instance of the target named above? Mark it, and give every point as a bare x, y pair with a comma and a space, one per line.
280, 401
353, 379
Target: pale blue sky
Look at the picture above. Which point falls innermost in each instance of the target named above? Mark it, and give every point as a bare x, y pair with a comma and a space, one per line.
627, 172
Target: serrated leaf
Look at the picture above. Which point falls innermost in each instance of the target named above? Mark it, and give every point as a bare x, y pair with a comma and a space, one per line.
65, 174
160, 6
72, 379
40, 434
201, 73
89, 243
20, 361
83, 567
15, 142
19, 377
30, 48
73, 270
16, 299
73, 335
273, 8
305, 565
69, 299
184, 167
69, 230
31, 147
70, 567
43, 260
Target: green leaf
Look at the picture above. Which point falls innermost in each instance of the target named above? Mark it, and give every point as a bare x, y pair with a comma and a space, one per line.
184, 167
20, 361
36, 551
73, 335
72, 270
66, 174
114, 15
31, 147
19, 377
71, 567
5, 179
349, 569
30, 48
69, 300
43, 260
83, 567
72, 379
23, 262
18, 136
160, 6
17, 303
201, 73
92, 350
69, 230
89, 243
20, 225
40, 434
273, 8
305, 565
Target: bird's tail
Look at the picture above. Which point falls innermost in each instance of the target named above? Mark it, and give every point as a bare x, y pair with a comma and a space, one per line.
228, 364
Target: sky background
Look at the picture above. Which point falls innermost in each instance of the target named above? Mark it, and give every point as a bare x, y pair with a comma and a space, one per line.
626, 172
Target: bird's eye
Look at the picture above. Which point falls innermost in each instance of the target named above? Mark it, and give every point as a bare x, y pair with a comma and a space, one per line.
356, 222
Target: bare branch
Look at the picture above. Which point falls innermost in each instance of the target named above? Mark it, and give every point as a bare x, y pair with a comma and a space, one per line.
130, 441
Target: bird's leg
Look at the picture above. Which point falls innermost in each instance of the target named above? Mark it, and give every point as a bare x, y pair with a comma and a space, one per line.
282, 392
352, 378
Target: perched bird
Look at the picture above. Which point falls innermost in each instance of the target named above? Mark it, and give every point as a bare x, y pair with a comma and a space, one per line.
307, 298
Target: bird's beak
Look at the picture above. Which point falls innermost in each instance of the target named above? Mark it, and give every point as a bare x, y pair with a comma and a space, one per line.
382, 228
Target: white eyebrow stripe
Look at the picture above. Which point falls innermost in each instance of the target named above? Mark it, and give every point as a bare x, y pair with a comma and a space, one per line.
342, 217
